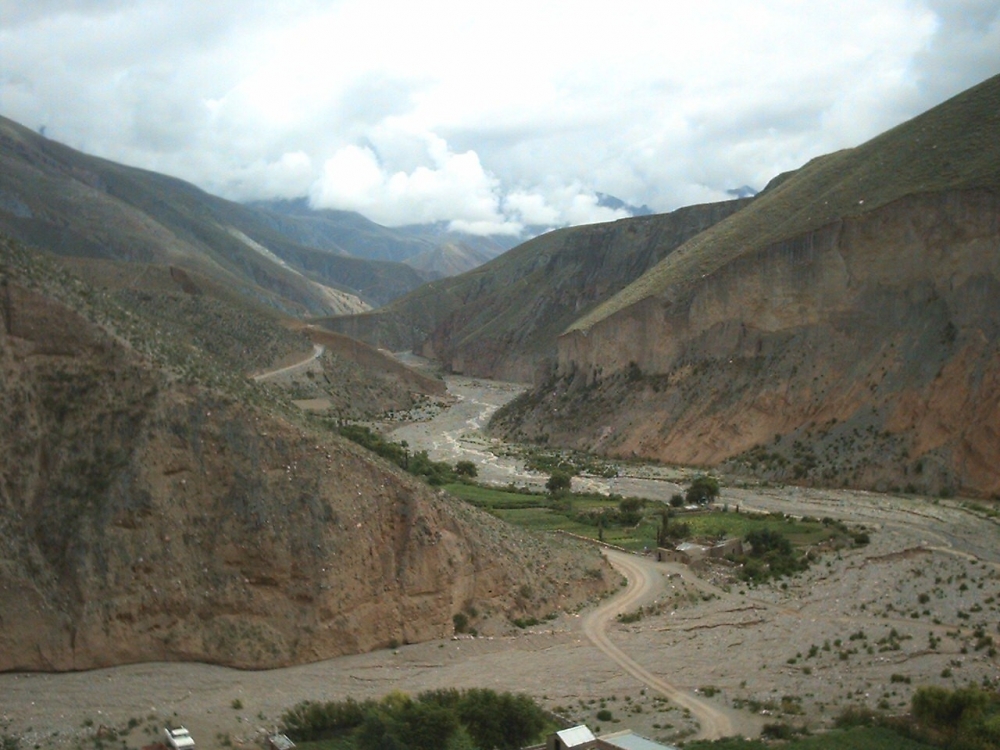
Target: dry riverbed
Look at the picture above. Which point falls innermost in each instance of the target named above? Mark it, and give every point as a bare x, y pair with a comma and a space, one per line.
918, 605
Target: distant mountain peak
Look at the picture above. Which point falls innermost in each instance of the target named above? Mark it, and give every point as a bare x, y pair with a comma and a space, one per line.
744, 191
609, 201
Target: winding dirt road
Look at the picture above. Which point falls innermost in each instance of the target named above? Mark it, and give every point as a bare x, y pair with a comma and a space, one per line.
317, 352
642, 586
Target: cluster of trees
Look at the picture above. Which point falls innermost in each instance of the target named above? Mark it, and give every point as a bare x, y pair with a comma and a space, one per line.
967, 718
434, 472
434, 720
771, 555
964, 719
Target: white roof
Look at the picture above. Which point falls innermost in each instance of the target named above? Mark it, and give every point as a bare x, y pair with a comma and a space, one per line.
574, 736
692, 546
180, 738
629, 740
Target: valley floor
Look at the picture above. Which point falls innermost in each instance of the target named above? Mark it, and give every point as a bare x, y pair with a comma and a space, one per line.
918, 605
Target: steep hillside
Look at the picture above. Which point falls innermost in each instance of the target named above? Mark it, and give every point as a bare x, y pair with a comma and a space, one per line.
502, 319
155, 505
842, 329
73, 204
351, 380
449, 259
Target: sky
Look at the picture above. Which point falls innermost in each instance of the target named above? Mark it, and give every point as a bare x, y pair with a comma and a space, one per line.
492, 116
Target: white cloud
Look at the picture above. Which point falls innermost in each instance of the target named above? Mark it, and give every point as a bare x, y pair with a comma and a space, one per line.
489, 115
455, 187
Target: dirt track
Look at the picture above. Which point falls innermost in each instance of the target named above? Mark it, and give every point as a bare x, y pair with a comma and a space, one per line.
643, 586
861, 626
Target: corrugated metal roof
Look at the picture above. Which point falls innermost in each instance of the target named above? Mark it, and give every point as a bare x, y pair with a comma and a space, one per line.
574, 736
633, 741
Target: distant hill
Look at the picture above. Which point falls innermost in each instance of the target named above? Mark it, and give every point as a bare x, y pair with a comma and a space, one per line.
502, 319
842, 329
73, 204
430, 249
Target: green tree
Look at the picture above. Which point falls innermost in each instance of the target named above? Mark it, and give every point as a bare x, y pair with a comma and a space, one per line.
559, 481
630, 510
764, 541
466, 469
500, 721
703, 490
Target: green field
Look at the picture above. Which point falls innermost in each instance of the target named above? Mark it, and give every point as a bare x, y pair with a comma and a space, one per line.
573, 513
858, 738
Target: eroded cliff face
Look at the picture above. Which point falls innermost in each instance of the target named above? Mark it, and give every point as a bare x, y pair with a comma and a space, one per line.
865, 353
507, 326
144, 518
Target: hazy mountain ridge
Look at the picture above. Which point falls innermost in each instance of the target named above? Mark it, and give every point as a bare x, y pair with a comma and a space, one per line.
73, 204
157, 505
842, 329
431, 249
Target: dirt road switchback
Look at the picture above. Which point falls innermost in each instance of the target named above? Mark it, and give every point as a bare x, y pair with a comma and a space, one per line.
643, 580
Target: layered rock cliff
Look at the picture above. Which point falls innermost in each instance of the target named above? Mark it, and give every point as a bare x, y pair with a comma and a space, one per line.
841, 330
145, 516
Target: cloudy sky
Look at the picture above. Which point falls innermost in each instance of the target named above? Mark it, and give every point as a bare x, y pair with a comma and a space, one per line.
491, 115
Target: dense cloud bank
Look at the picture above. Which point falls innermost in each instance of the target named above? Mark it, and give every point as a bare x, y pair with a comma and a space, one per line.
494, 117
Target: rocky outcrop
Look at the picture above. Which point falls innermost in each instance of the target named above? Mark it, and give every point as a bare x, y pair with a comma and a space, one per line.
865, 353
145, 517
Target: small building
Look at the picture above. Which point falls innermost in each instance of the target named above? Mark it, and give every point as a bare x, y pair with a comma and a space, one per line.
629, 740
581, 738
575, 738
733, 546
691, 552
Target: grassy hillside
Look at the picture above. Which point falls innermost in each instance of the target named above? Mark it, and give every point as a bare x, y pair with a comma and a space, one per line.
956, 145
73, 204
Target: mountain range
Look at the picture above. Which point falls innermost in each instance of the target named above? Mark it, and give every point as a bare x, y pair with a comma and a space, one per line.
841, 329
282, 253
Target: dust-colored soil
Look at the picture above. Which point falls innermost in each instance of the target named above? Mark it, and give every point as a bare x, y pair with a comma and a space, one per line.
918, 605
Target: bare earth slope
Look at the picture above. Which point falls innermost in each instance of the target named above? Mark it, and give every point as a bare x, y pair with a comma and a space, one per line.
842, 329
501, 320
148, 515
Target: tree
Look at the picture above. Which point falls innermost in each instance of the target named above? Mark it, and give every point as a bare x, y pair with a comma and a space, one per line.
505, 721
559, 481
466, 469
703, 490
630, 510
768, 540
663, 533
